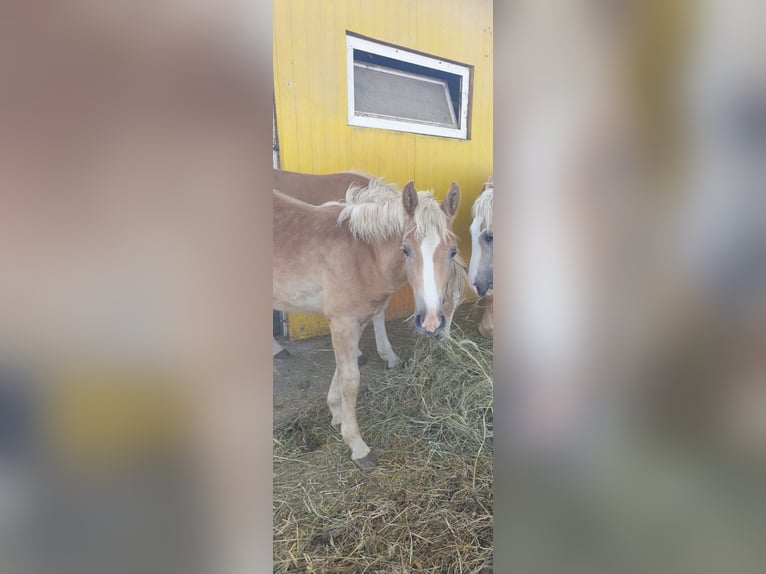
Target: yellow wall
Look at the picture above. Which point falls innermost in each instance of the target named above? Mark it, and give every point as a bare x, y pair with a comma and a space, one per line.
311, 110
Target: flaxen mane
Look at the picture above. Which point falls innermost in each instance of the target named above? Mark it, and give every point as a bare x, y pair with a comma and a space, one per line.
375, 213
482, 207
457, 278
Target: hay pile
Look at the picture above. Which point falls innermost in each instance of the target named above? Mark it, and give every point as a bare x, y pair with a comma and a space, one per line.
428, 505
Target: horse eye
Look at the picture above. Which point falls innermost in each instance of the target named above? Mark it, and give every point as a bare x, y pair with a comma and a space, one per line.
406, 250
488, 237
452, 252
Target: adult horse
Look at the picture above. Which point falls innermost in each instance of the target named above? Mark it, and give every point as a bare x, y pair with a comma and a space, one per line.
321, 188
346, 261
480, 266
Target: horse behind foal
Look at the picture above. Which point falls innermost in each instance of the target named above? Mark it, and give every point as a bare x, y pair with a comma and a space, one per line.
480, 267
345, 261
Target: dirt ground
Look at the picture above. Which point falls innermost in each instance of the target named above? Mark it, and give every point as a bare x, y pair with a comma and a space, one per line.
305, 375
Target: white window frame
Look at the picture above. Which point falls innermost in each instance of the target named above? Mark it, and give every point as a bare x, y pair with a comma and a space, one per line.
364, 119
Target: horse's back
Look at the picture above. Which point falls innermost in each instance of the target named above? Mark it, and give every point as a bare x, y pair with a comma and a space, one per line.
317, 188
298, 219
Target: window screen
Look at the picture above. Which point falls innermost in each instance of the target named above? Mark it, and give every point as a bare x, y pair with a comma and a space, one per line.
386, 92
393, 88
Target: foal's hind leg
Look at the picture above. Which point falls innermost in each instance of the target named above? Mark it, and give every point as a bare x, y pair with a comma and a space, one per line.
361, 358
385, 350
345, 342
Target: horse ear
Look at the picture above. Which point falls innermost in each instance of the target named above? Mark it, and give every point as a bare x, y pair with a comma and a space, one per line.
410, 198
452, 201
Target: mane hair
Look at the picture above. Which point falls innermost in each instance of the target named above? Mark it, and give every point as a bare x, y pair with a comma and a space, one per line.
482, 207
375, 213
457, 278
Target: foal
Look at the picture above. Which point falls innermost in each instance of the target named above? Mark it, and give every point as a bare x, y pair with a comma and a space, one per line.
317, 189
346, 261
321, 188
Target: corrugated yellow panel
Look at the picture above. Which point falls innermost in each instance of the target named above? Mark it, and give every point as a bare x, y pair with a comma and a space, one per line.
305, 325
310, 93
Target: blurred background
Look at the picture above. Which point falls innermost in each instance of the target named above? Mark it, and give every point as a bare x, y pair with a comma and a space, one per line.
134, 434
630, 385
631, 281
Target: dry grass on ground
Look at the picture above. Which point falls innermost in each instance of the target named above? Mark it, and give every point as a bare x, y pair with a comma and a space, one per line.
428, 505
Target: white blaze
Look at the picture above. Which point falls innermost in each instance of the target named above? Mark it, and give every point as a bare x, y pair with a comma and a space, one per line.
430, 292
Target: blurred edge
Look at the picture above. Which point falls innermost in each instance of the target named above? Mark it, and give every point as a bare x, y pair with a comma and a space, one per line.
135, 241
669, 476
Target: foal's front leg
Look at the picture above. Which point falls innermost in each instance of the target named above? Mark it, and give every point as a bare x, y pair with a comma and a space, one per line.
334, 400
345, 386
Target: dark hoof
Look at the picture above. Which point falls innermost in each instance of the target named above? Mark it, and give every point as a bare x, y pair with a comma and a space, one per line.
368, 462
283, 354
361, 359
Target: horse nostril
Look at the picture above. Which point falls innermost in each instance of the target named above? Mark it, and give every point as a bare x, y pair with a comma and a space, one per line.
438, 333
418, 320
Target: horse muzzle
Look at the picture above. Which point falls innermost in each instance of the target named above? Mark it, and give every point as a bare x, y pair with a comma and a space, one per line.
432, 325
482, 287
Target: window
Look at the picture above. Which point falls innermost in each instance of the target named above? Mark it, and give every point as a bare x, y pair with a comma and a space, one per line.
397, 89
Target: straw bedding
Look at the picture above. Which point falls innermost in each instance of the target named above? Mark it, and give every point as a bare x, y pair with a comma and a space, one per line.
427, 507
